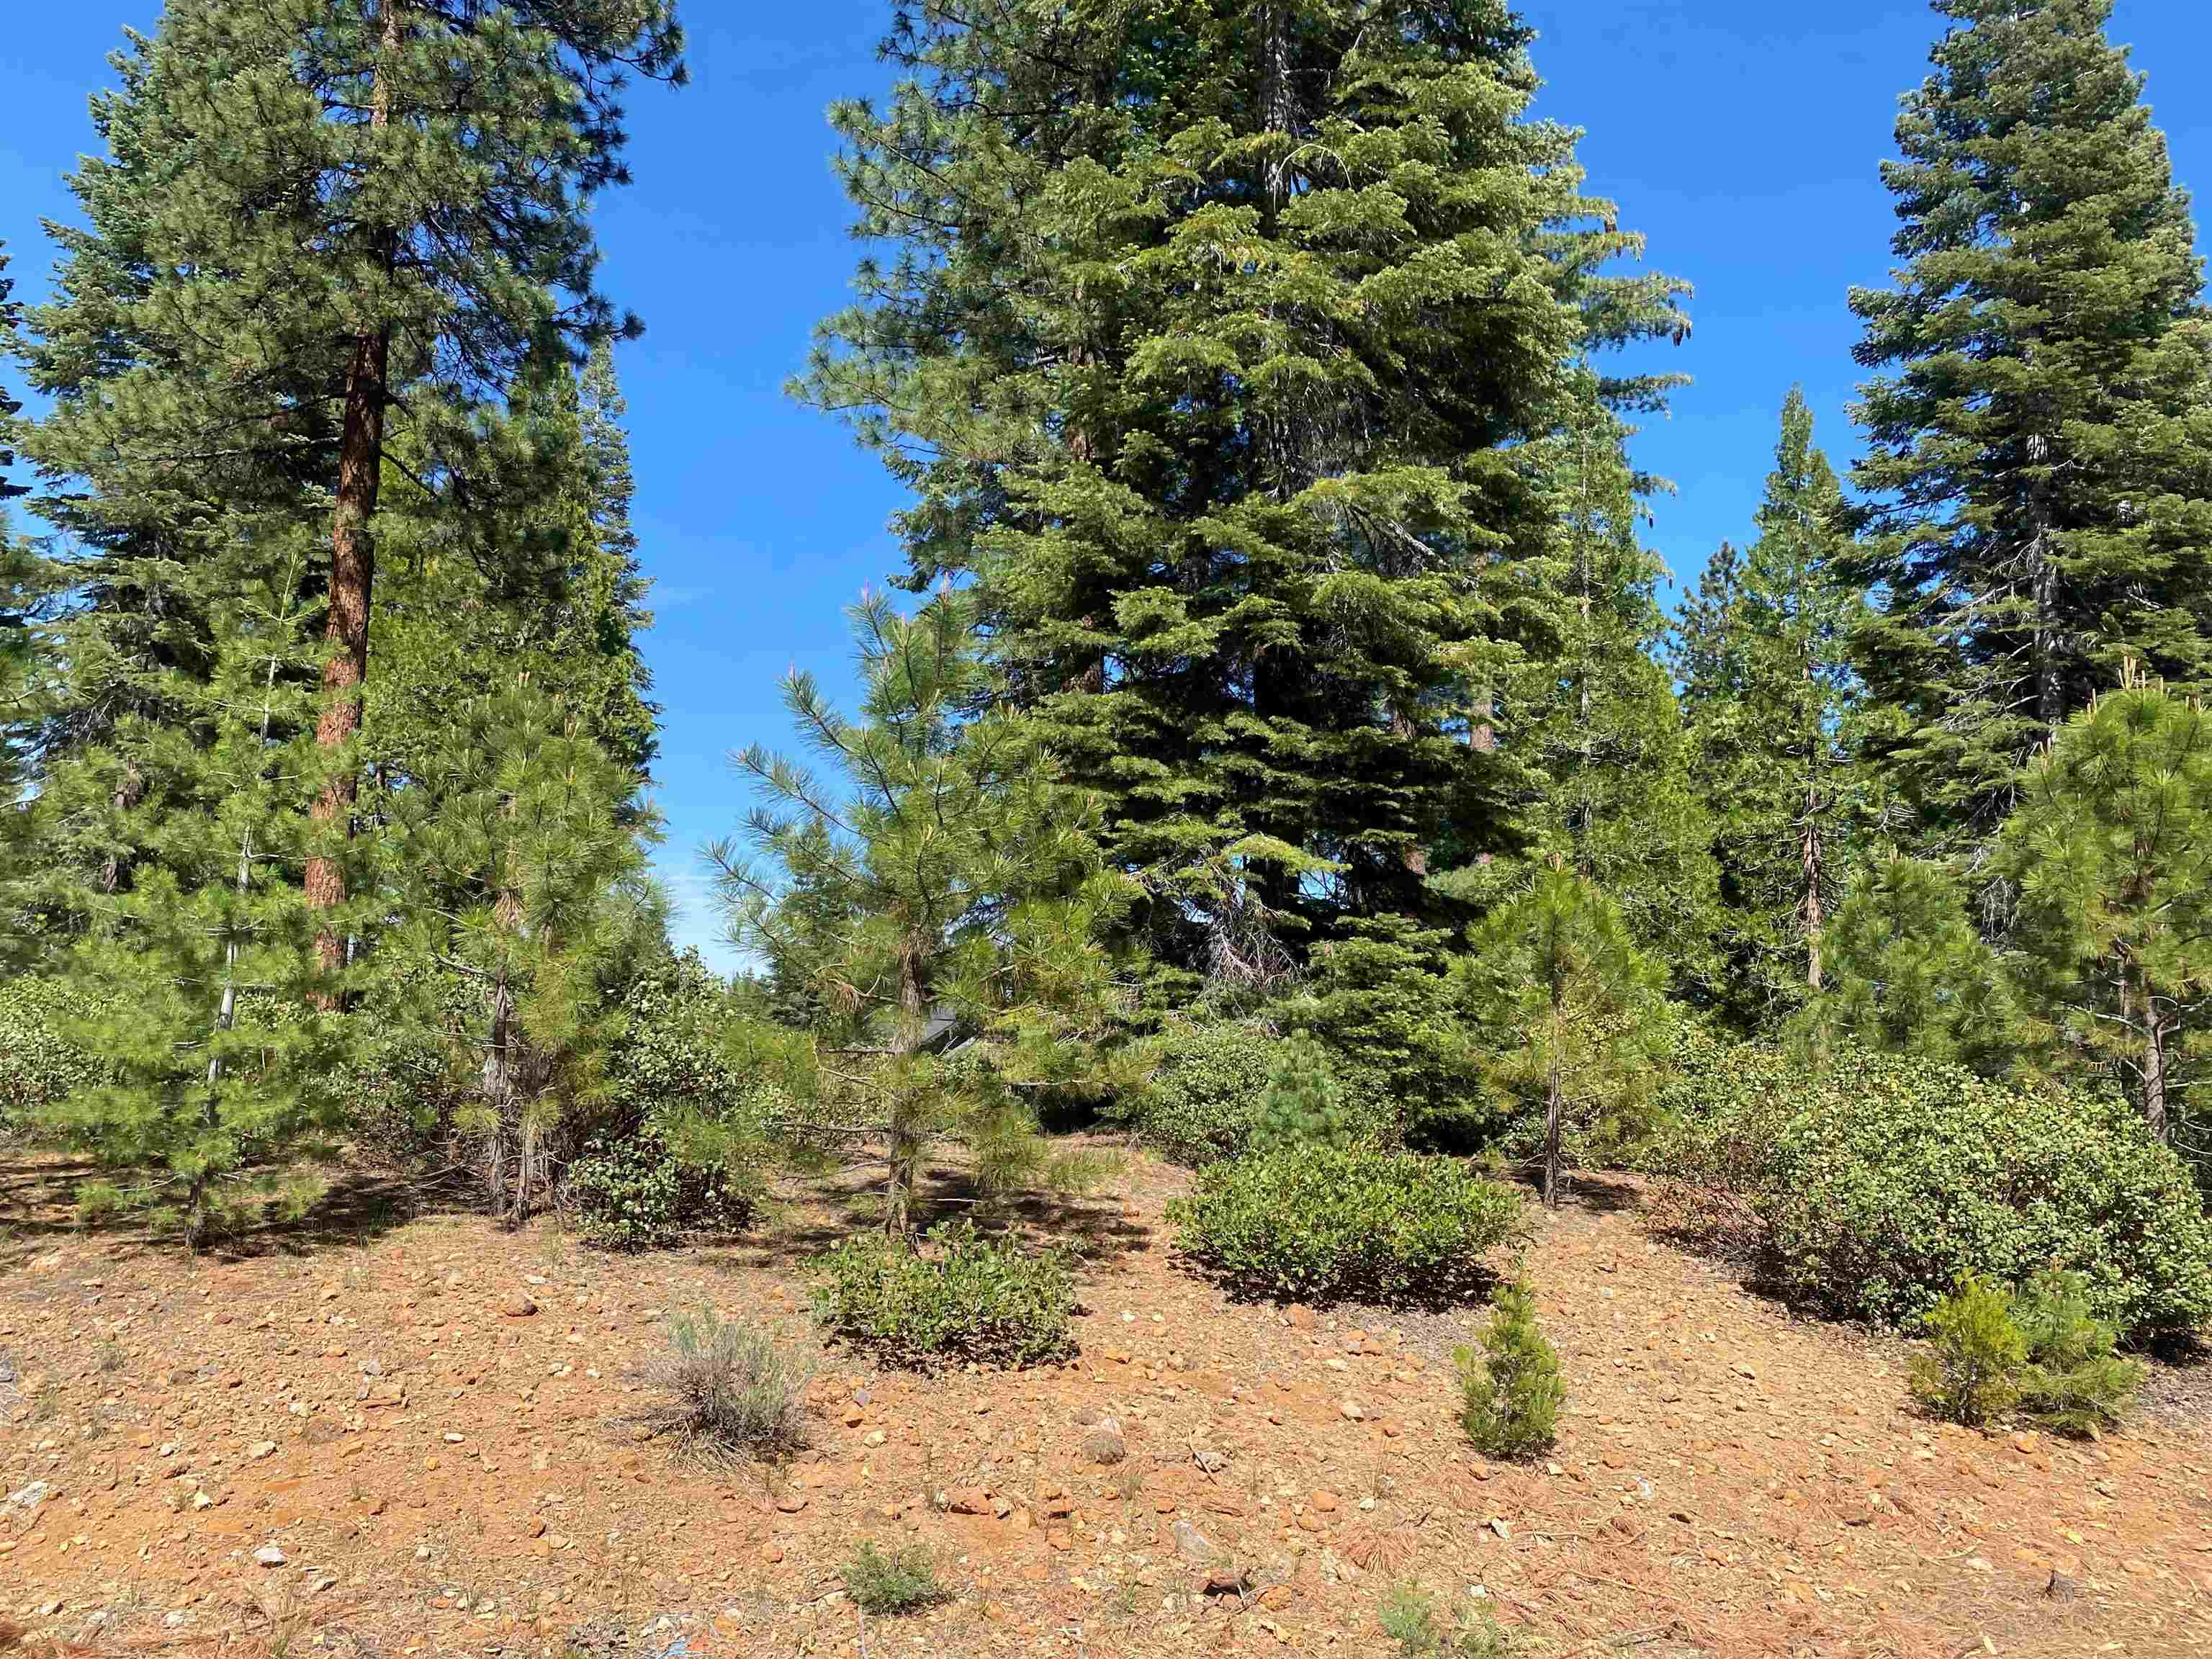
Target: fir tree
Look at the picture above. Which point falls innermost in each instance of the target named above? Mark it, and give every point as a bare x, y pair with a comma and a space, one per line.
948, 881
2111, 853
1762, 653
216, 1065
2039, 473
517, 846
1304, 1105
1572, 1014
331, 236
1208, 342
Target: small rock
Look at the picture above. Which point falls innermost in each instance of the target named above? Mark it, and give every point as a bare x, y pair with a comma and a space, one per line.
1104, 1443
535, 1527
791, 1502
969, 1500
1326, 1502
1353, 1410
270, 1556
2061, 1588
772, 1553
1194, 1545
1060, 1541
521, 1305
261, 1448
1498, 1525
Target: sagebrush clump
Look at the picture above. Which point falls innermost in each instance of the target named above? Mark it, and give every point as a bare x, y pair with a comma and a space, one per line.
1328, 1223
965, 1297
1510, 1393
893, 1582
730, 1389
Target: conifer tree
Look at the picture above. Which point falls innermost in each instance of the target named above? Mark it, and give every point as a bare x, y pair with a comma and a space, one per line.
1911, 974
216, 1066
1207, 345
1592, 710
2111, 852
948, 882
1763, 656
329, 235
2039, 468
516, 842
1572, 1014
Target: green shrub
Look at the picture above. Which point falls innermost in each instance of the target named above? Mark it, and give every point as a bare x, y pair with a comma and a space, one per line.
729, 1388
903, 1581
1511, 1394
639, 1193
1970, 1372
38, 1066
1409, 1617
1206, 1095
964, 1296
2041, 1355
1870, 1189
1328, 1223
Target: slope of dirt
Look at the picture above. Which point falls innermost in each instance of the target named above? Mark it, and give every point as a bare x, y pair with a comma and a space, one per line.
422, 1438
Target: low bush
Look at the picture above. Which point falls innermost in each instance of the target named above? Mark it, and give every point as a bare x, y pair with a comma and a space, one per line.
1304, 1105
1329, 1223
2039, 1355
640, 1194
38, 1066
730, 1389
1872, 1187
963, 1296
1409, 1617
1206, 1095
1510, 1393
902, 1581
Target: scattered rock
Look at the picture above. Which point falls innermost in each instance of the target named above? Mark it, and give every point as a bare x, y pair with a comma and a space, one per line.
969, 1500
521, 1305
1353, 1410
1103, 1443
2061, 1588
1326, 1502
1192, 1544
270, 1556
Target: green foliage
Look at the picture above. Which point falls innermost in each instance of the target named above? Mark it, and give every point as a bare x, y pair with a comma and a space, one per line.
1206, 1091
638, 1193
1380, 1000
2109, 849
1762, 652
946, 881
965, 1297
1911, 976
1892, 1179
1971, 1371
2041, 1355
1571, 1015
1511, 1394
2034, 478
38, 1065
517, 853
1304, 1105
730, 1389
1327, 1223
1300, 284
1409, 1617
903, 1581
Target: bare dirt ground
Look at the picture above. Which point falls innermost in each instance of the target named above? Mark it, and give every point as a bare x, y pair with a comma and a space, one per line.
378, 1437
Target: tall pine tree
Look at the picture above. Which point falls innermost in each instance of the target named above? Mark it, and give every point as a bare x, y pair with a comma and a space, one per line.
2039, 468
1763, 657
327, 238
1207, 345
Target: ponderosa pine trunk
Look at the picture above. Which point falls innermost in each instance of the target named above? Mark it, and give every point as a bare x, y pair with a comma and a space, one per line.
903, 1153
352, 563
2154, 1068
1810, 856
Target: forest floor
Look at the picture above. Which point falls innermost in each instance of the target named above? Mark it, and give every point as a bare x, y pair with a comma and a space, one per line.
385, 1435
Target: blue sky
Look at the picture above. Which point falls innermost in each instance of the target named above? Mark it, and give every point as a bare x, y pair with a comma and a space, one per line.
1741, 136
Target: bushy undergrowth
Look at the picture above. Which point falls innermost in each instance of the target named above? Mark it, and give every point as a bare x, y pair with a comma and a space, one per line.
1870, 1189
638, 1193
2040, 1356
1510, 1393
1410, 1617
38, 1066
1329, 1223
963, 1296
730, 1389
1205, 1098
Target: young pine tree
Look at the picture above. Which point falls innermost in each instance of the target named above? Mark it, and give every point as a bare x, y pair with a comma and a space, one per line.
199, 966
326, 240
518, 844
1572, 1014
2040, 465
1208, 346
943, 880
2111, 851
1911, 974
1762, 655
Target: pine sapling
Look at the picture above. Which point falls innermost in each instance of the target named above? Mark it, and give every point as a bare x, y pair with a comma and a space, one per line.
1511, 1392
